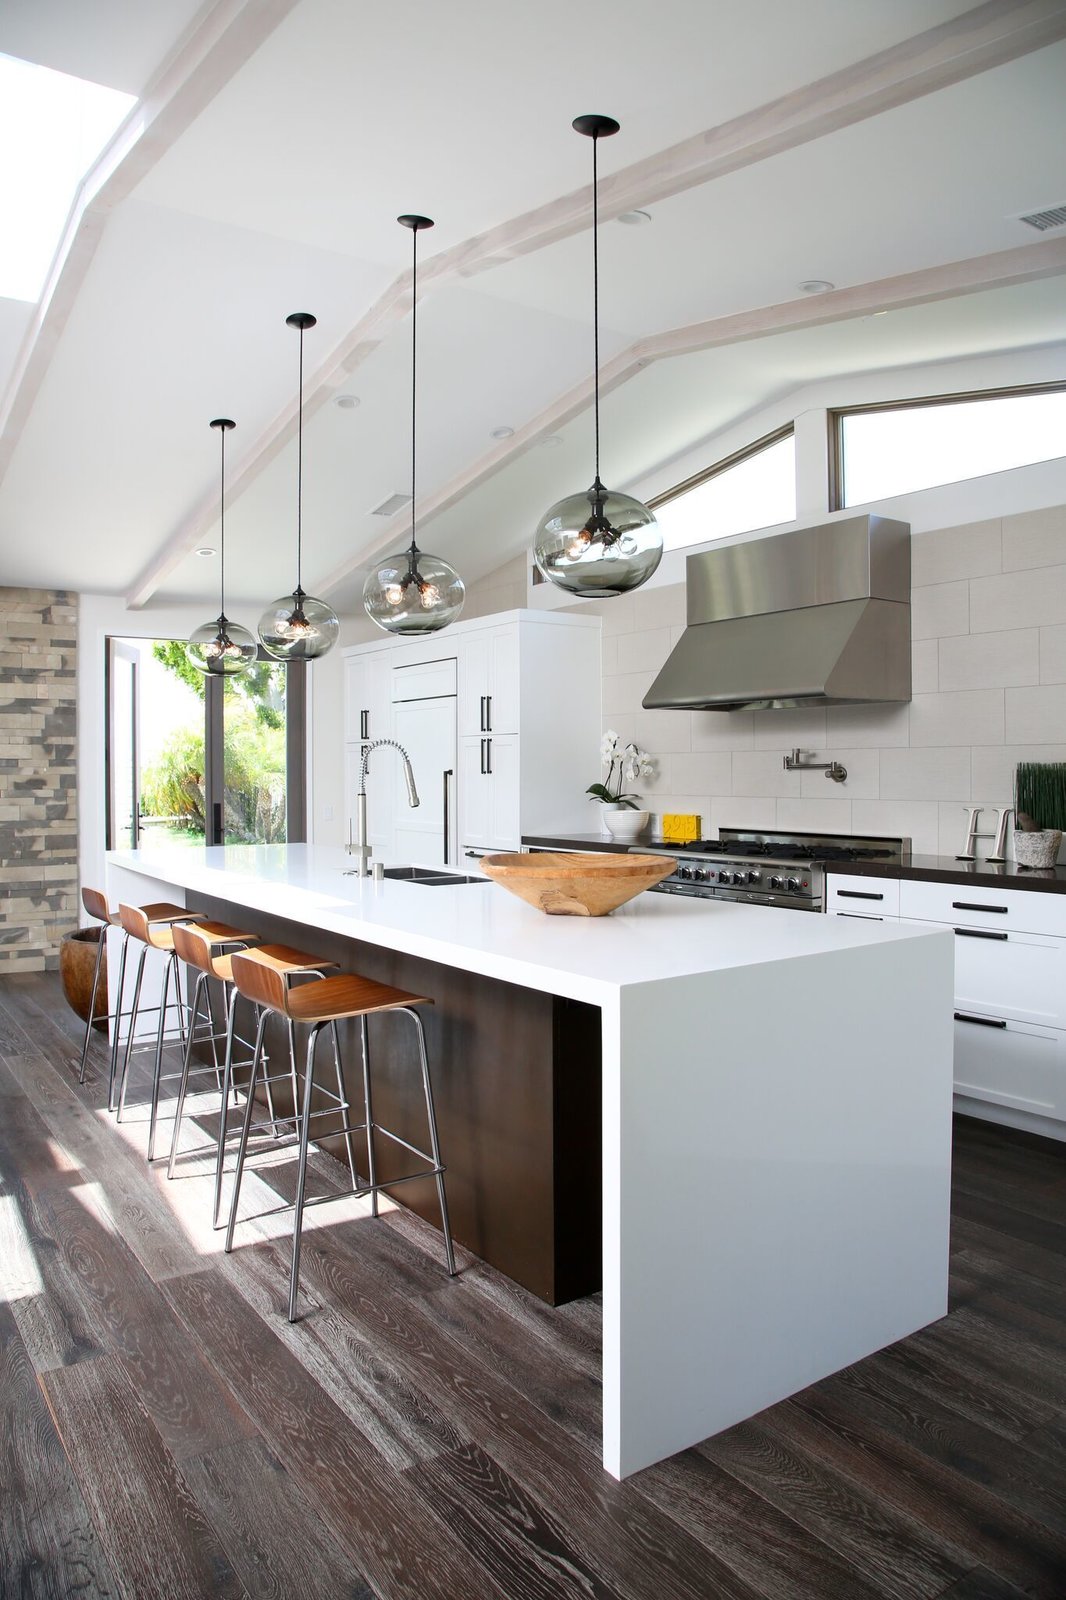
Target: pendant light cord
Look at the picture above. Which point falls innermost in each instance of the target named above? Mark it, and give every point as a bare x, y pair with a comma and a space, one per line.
596, 298
222, 532
300, 472
414, 383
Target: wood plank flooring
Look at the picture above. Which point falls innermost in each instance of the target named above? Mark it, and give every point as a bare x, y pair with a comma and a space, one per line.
166, 1434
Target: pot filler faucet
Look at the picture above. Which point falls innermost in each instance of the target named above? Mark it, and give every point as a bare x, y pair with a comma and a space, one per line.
360, 849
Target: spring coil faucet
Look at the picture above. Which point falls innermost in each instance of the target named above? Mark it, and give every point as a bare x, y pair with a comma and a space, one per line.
360, 849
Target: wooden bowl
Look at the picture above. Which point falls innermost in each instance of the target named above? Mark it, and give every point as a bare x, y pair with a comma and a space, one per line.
571, 884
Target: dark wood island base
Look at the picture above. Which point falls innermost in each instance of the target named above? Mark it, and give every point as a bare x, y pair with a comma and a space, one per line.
516, 1079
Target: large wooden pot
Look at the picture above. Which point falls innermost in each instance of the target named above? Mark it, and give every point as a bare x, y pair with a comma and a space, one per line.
77, 963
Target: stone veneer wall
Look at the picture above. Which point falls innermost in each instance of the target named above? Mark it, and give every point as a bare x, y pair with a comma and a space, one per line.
38, 784
989, 690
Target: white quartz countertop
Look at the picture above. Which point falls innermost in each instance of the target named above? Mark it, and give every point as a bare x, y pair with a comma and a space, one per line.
480, 927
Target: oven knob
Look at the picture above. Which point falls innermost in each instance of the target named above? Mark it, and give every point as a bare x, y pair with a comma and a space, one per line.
739, 877
777, 883
793, 886
754, 877
723, 877
699, 874
685, 873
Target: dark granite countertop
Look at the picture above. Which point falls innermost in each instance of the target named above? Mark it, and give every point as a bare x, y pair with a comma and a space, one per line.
945, 869
587, 841
941, 869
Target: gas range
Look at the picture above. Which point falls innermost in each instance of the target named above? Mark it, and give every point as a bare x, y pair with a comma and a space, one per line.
767, 868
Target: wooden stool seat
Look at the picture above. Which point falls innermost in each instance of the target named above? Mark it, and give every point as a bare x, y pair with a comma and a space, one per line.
203, 945
154, 924
323, 1003
284, 959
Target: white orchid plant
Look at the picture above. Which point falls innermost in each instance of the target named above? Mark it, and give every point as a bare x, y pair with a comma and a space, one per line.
624, 765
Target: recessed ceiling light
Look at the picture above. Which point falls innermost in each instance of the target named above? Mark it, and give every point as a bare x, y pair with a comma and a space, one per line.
207, 550
502, 433
346, 402
551, 441
634, 219
816, 286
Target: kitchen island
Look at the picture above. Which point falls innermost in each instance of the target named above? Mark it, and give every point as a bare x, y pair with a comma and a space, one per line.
774, 1104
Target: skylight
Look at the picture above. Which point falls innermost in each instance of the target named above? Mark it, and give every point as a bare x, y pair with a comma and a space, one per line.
52, 128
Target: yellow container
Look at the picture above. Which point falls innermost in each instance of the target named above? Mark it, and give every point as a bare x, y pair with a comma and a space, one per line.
679, 827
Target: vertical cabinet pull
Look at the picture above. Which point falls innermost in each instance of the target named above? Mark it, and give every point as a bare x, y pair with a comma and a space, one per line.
482, 722
488, 713
364, 724
488, 756
448, 773
483, 744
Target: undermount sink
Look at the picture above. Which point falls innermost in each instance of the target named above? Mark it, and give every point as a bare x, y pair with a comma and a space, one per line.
432, 877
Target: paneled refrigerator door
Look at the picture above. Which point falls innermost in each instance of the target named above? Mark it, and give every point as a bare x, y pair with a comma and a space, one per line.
427, 835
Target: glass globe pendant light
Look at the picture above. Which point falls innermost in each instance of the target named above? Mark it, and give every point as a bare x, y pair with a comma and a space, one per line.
298, 627
222, 648
599, 543
413, 592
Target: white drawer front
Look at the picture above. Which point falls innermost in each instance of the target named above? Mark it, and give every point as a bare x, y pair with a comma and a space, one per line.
1014, 1065
847, 894
1016, 975
981, 907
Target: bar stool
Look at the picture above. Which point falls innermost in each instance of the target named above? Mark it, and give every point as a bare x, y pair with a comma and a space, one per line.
152, 927
95, 903
321, 1004
291, 965
206, 948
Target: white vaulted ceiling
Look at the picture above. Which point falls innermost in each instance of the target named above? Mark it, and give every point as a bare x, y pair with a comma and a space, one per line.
282, 139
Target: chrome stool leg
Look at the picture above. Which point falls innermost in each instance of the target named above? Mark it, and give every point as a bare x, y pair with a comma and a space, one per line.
112, 1076
301, 1174
101, 946
170, 971
238, 1171
434, 1143
368, 1103
132, 1028
183, 1086
342, 1095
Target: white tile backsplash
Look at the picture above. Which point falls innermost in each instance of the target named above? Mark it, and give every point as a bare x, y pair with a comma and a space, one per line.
990, 660
925, 774
989, 686
973, 550
940, 609
969, 716
1032, 713
1035, 539
1017, 600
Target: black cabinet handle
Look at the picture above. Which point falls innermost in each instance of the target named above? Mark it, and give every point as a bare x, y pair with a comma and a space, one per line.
982, 1022
448, 773
980, 933
856, 894
364, 724
488, 713
484, 718
488, 756
968, 905
476, 855
483, 742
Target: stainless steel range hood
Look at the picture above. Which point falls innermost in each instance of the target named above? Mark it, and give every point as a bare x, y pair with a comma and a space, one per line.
816, 617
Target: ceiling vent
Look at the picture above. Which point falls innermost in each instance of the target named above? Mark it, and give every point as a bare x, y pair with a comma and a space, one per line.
389, 507
1042, 221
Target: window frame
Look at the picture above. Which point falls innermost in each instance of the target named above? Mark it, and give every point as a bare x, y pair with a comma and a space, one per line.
835, 416
734, 459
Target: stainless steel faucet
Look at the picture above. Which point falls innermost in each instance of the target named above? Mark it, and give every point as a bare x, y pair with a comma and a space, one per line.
360, 849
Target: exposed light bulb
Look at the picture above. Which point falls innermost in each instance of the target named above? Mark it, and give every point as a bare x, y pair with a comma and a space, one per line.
577, 546
428, 596
393, 593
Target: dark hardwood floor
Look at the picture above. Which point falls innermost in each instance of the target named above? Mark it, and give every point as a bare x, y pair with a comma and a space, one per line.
165, 1433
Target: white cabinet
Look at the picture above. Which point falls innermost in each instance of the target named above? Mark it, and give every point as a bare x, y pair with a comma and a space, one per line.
489, 785
1010, 985
368, 716
526, 690
489, 681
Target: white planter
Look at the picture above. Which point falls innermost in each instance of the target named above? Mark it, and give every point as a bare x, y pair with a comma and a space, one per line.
624, 824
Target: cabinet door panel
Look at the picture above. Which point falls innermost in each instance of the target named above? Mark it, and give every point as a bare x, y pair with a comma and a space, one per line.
474, 674
1018, 975
1033, 910
850, 892
503, 685
1014, 1065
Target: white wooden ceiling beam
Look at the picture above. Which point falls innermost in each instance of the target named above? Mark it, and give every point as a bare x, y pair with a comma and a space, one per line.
1024, 264
993, 33
223, 37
